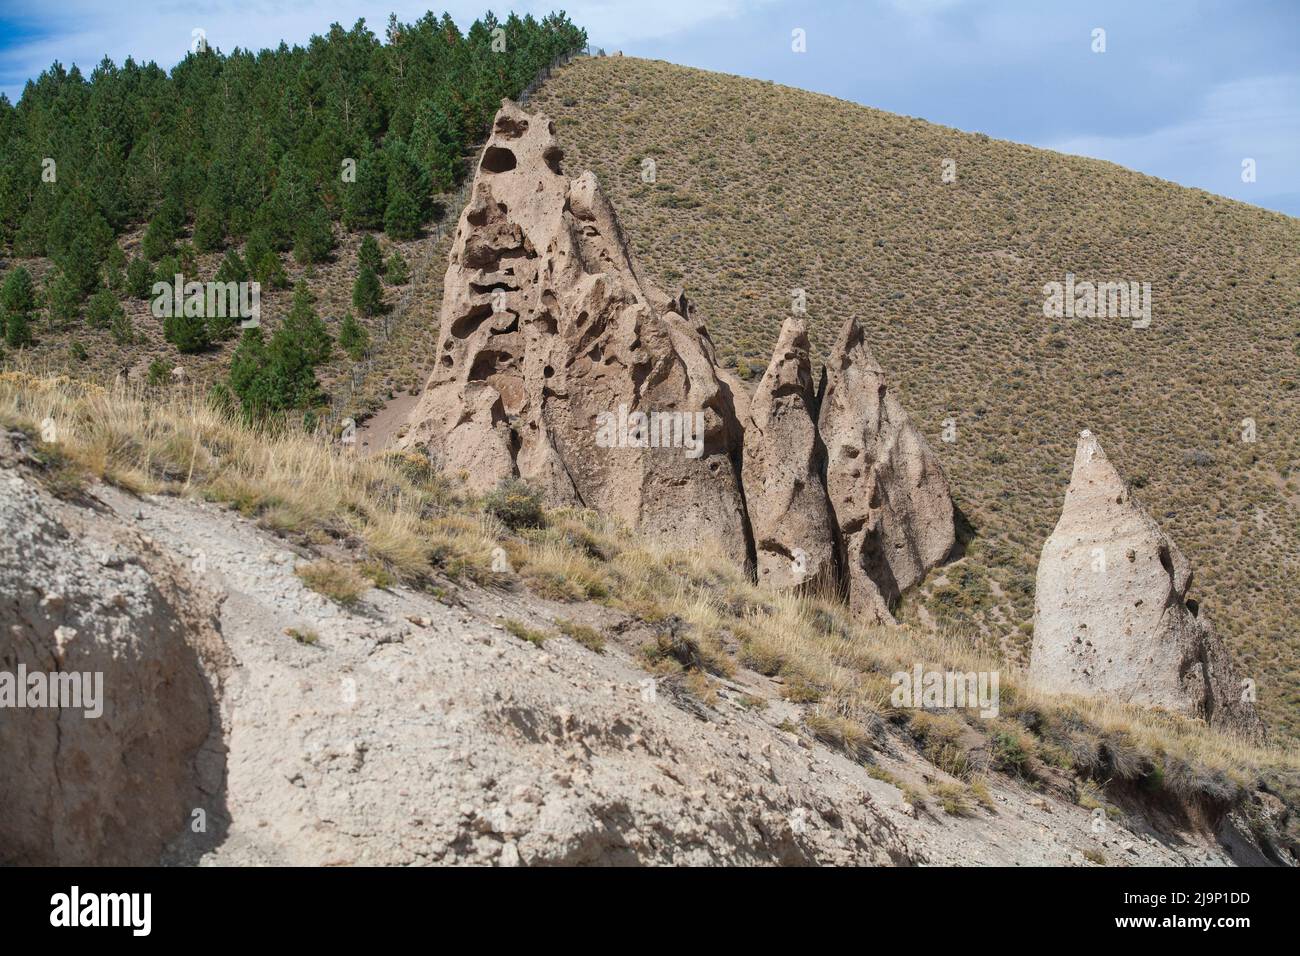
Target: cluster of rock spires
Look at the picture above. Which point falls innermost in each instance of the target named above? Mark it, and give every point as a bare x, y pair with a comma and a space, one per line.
548, 326
1112, 617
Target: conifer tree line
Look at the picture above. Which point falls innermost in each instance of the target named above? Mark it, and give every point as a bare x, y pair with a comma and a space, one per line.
264, 149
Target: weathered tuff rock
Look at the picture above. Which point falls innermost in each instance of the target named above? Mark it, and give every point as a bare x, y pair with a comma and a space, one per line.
1111, 612
549, 331
888, 492
80, 594
783, 473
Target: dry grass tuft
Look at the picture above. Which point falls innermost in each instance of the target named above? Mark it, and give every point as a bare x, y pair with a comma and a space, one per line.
338, 582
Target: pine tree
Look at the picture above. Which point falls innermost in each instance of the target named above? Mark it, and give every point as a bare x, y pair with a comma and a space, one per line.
270, 271
18, 331
436, 143
77, 239
121, 329
189, 333
397, 271
17, 298
102, 309
114, 268
221, 327
62, 298
367, 294
18, 294
305, 327
232, 268
163, 230
168, 268
402, 217
188, 257
369, 255
247, 368
209, 229
365, 199
315, 237
79, 263
353, 338
256, 248
139, 279
290, 374
274, 376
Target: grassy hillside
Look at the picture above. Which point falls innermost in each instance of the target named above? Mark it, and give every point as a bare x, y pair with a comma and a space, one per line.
405, 331
761, 189
94, 354
388, 519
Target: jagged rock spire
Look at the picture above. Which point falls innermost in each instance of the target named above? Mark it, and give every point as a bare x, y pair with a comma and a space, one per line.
558, 362
888, 492
784, 467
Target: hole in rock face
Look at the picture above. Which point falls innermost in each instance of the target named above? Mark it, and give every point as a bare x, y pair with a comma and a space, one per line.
1165, 561
469, 323
488, 363
1194, 607
498, 159
511, 127
554, 156
548, 372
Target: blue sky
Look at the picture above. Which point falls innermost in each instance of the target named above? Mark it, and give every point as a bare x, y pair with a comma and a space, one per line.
1186, 89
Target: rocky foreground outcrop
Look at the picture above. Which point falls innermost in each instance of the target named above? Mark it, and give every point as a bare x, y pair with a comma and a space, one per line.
414, 730
109, 656
1112, 617
558, 362
889, 494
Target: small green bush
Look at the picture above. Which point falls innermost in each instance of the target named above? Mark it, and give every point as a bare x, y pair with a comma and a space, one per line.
516, 505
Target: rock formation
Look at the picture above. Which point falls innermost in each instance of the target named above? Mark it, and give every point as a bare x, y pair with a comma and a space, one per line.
889, 494
558, 362
92, 616
1111, 613
784, 469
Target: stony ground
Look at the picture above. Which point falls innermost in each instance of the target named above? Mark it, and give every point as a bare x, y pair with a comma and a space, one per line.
412, 729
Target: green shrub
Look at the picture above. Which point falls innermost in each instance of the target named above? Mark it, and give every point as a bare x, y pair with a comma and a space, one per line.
516, 505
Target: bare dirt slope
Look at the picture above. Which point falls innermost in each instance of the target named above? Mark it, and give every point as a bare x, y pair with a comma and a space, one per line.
410, 730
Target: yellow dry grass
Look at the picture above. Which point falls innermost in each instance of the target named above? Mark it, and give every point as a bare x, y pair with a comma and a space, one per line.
410, 523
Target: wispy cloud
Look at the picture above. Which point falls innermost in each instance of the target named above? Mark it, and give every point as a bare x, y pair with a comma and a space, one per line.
1256, 118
